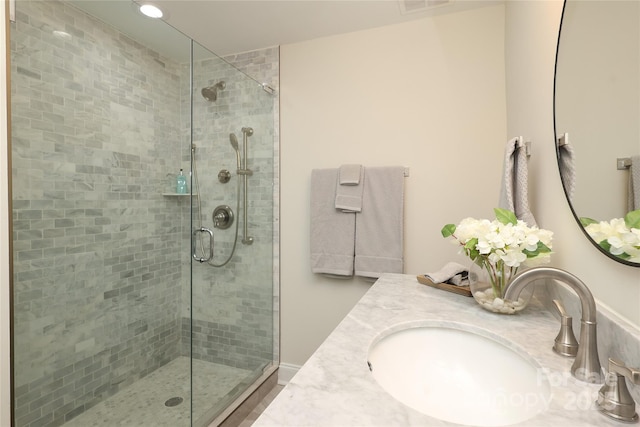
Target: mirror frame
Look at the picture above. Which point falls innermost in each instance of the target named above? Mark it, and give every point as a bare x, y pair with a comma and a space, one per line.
557, 148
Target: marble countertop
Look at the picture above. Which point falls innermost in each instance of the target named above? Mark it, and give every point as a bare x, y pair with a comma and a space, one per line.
335, 387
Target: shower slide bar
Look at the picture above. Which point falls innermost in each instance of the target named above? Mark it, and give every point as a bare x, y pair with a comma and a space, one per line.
245, 172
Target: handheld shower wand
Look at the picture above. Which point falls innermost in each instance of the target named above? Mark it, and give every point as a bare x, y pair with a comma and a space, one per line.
234, 144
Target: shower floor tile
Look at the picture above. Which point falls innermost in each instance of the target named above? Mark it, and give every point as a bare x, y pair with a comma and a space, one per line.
142, 404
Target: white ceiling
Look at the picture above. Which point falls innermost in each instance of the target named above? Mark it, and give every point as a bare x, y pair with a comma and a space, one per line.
238, 26
235, 26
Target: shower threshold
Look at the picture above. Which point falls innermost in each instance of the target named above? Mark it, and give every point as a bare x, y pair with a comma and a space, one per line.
142, 404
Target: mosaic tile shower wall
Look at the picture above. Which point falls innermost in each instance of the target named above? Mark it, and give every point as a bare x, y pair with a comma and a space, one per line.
95, 118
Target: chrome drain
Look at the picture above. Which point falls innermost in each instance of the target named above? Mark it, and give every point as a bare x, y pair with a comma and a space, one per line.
174, 401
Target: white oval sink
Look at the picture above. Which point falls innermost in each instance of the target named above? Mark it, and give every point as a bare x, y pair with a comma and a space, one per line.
459, 376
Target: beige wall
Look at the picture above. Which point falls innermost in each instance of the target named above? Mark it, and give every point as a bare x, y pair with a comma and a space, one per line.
532, 28
399, 95
429, 95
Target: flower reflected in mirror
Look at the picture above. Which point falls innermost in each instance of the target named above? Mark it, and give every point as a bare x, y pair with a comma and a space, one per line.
619, 236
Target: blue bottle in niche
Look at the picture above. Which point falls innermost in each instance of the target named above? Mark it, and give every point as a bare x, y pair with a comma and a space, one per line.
181, 183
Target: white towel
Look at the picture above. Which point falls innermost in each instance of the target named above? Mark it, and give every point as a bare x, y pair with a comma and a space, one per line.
349, 188
566, 157
452, 272
634, 184
514, 191
332, 231
379, 228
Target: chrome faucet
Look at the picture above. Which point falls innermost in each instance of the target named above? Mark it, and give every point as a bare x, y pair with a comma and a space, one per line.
586, 367
614, 399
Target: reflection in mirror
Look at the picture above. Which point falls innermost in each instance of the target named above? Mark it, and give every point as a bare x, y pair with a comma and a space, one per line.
596, 102
619, 237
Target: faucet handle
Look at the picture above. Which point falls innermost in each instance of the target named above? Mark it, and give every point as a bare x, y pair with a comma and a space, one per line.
565, 343
614, 399
619, 368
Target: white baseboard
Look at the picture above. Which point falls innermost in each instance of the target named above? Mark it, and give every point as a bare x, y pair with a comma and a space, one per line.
286, 371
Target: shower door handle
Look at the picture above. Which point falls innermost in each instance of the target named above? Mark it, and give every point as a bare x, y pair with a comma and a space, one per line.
193, 248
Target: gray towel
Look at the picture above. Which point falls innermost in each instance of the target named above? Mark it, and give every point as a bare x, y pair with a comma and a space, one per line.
379, 228
567, 168
332, 231
350, 174
349, 188
452, 273
634, 184
514, 191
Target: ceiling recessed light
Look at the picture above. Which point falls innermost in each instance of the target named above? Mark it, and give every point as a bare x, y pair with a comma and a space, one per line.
151, 11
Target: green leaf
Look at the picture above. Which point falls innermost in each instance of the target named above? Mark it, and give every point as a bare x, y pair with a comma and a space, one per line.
448, 230
584, 221
632, 219
605, 245
471, 244
505, 216
470, 249
541, 249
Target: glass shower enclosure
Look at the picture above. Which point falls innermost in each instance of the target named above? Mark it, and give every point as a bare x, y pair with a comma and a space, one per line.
134, 304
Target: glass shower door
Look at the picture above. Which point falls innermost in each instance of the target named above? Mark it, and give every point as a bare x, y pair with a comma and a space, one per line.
232, 305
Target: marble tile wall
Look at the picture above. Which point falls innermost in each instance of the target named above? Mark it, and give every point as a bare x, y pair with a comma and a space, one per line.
100, 126
95, 120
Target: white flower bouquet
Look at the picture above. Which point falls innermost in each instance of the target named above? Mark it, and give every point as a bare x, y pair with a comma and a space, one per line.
500, 247
619, 236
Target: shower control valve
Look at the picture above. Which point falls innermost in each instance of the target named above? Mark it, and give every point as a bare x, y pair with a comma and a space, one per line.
224, 176
222, 217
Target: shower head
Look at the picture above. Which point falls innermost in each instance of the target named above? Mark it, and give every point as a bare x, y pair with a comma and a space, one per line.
210, 93
234, 144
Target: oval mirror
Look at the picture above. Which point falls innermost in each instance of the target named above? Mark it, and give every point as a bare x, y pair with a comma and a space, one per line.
597, 122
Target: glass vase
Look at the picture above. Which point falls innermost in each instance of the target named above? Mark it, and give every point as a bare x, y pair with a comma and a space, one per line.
488, 284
